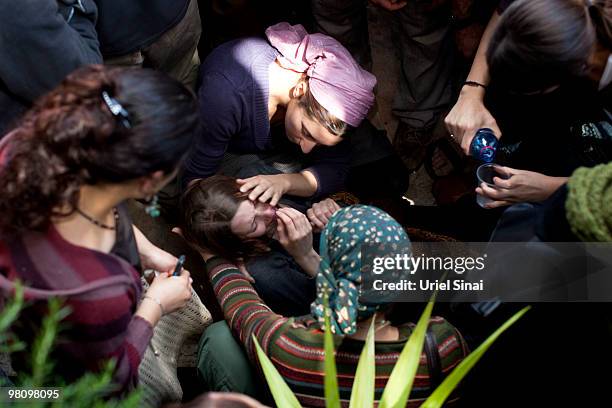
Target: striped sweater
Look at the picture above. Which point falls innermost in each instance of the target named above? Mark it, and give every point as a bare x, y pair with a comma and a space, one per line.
297, 350
102, 291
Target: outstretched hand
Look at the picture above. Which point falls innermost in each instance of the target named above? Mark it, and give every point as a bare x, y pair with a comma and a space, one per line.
521, 186
204, 252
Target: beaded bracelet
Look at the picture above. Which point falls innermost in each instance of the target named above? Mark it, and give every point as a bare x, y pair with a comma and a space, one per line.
156, 300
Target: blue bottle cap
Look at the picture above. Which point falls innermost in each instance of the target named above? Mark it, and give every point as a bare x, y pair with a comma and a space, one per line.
484, 145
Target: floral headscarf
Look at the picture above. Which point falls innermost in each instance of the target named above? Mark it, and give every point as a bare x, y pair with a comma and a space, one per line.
349, 232
336, 81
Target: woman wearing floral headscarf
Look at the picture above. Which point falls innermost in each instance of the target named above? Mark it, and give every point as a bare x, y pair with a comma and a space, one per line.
295, 346
307, 83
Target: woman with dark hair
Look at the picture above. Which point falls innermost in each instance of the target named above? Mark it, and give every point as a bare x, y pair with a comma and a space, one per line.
273, 246
295, 346
535, 50
307, 83
548, 63
211, 213
102, 137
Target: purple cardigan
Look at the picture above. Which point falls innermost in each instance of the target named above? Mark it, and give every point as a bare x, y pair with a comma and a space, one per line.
233, 100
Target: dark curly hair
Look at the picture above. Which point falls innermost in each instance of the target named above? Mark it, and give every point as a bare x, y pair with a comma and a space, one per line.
70, 138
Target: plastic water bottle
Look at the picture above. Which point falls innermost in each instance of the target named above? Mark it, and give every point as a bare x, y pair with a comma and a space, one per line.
484, 145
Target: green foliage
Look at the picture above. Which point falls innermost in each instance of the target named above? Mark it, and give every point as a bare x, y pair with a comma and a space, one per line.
362, 395
437, 398
332, 395
88, 392
397, 390
8, 342
283, 396
43, 344
400, 381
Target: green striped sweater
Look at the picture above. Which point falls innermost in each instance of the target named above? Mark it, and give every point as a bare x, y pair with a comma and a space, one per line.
297, 349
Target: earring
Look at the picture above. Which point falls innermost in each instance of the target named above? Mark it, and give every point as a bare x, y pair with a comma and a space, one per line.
152, 207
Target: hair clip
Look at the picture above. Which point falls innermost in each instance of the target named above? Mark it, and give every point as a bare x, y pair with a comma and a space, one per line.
117, 109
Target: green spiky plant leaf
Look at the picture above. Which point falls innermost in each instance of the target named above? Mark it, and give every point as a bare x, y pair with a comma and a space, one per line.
282, 394
332, 394
441, 393
362, 395
400, 382
401, 379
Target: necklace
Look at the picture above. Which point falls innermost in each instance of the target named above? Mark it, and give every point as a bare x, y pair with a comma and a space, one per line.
98, 223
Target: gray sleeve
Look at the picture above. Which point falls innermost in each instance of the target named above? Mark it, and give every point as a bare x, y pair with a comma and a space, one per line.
41, 41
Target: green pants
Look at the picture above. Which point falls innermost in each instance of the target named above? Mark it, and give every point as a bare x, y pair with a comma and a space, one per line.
223, 364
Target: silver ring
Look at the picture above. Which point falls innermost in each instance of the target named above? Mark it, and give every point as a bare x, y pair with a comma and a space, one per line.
451, 135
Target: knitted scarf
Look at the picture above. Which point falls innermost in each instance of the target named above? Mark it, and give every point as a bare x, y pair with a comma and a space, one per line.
589, 203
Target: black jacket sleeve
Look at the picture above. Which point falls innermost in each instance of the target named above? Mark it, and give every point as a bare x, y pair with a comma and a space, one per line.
41, 41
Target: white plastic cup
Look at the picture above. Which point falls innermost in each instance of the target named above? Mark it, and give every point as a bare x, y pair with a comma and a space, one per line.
485, 174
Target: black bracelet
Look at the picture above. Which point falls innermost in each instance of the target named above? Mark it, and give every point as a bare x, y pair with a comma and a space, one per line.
474, 84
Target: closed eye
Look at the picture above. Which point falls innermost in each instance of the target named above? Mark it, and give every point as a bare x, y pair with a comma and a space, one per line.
307, 134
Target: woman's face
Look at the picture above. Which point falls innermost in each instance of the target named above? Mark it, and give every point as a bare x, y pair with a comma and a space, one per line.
254, 219
305, 131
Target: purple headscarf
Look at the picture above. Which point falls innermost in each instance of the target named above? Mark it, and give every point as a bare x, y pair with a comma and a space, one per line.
337, 82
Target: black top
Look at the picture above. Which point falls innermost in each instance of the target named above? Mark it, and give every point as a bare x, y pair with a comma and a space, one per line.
551, 221
125, 26
125, 244
503, 5
41, 41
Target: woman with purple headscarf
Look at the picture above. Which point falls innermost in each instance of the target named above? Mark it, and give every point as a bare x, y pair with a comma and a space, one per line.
308, 84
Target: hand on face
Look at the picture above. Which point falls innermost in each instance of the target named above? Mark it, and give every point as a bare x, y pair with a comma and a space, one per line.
320, 213
522, 186
294, 232
265, 188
